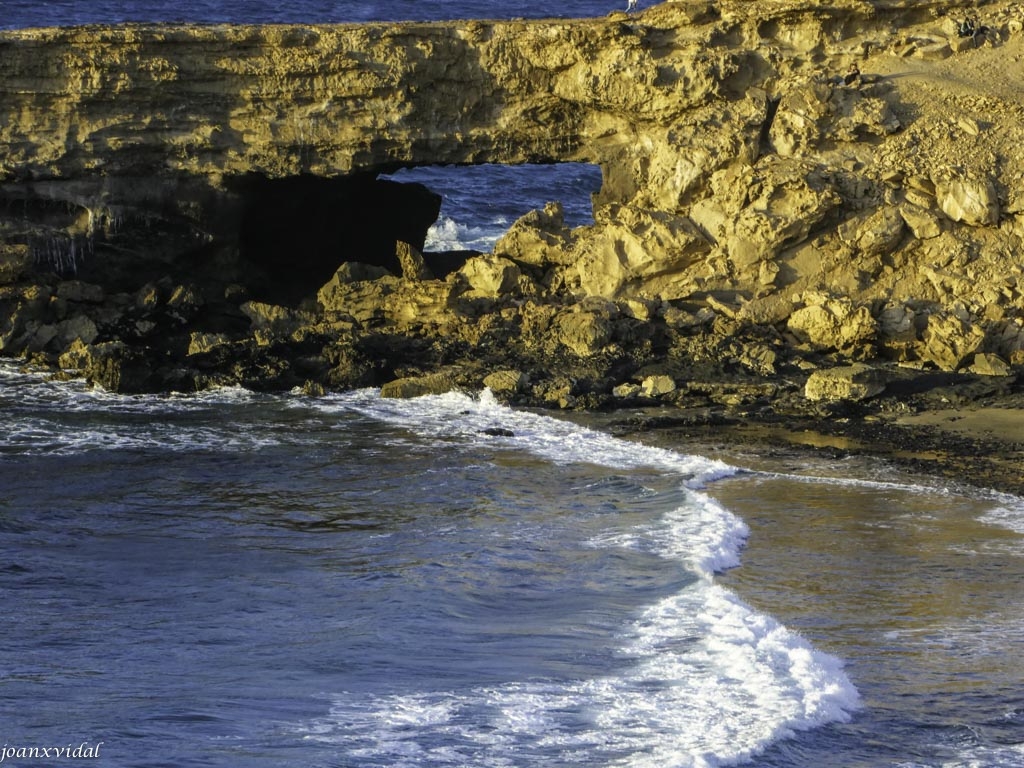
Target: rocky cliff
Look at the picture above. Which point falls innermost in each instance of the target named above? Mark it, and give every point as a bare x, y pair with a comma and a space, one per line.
785, 188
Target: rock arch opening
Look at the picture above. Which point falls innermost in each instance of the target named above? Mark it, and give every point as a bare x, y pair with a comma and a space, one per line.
297, 231
284, 238
480, 202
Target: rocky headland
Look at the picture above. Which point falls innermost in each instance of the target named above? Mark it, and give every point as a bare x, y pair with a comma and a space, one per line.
810, 218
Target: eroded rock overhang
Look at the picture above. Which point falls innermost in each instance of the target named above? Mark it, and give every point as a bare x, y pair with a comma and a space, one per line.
164, 141
731, 158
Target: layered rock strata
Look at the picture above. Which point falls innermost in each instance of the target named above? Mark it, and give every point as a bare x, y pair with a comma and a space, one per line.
188, 206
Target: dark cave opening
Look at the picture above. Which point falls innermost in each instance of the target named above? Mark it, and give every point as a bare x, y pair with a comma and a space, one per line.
297, 231
282, 238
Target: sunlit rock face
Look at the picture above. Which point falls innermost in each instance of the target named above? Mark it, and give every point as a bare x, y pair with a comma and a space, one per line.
170, 142
157, 144
229, 180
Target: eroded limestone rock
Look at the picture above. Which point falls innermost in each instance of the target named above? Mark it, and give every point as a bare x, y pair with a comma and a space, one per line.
491, 276
967, 198
417, 386
216, 199
949, 341
506, 381
540, 238
833, 323
854, 382
657, 386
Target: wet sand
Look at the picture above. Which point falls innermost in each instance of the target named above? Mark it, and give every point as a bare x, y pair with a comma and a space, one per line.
978, 442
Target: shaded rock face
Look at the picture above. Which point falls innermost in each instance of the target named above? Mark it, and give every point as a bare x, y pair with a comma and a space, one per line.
219, 192
297, 230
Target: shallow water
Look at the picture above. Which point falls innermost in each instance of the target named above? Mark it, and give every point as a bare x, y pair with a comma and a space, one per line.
231, 577
917, 587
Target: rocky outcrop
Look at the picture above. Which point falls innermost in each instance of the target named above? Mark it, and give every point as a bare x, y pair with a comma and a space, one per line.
187, 206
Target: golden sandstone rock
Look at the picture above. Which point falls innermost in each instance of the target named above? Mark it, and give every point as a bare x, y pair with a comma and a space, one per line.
737, 164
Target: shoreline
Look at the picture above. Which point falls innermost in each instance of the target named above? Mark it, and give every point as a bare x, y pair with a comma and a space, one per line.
980, 444
963, 428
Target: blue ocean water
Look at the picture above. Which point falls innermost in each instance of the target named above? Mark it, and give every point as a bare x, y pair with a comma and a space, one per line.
237, 579
48, 13
242, 579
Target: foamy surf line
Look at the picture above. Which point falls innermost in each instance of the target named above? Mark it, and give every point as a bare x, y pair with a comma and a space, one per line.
37, 424
711, 682
561, 442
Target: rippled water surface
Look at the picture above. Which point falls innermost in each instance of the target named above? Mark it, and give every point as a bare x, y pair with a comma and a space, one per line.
29, 13
237, 579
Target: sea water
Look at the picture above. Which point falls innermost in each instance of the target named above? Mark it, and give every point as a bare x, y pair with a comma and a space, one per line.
44, 13
233, 579
242, 579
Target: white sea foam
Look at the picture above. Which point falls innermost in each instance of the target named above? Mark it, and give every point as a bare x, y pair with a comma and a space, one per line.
1008, 512
62, 418
706, 680
40, 437
711, 683
861, 482
459, 415
448, 235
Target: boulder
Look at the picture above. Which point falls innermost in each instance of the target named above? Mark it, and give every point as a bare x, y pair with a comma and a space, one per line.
201, 343
507, 381
584, 333
923, 222
986, 364
419, 304
626, 390
967, 197
274, 319
540, 238
411, 261
933, 50
875, 234
149, 296
491, 276
418, 386
767, 310
853, 382
949, 341
360, 299
656, 386
833, 323
76, 328
758, 358
23, 311
186, 298
111, 365
632, 252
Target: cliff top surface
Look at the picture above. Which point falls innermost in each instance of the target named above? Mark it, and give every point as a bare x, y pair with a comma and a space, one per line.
325, 99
